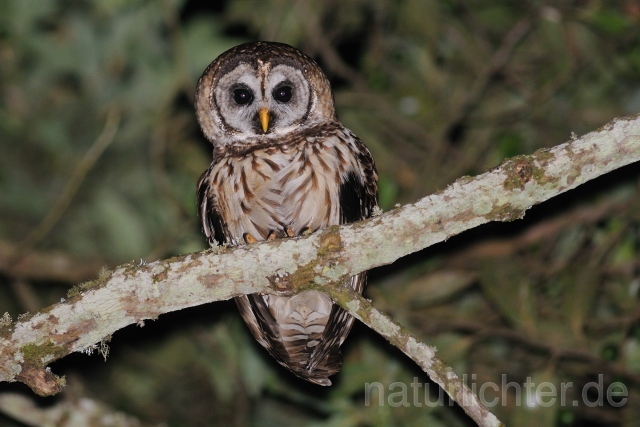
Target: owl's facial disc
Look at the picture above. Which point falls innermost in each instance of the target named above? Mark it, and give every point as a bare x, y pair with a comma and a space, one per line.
237, 97
263, 101
288, 96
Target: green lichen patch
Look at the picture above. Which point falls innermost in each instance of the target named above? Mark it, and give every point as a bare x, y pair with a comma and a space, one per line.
330, 241
308, 276
519, 171
465, 179
299, 280
41, 354
82, 287
303, 276
344, 300
543, 156
103, 276
522, 169
540, 176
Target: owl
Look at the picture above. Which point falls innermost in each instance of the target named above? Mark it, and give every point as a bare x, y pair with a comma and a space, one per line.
283, 166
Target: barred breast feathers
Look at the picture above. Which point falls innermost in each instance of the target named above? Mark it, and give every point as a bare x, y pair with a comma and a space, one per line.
295, 183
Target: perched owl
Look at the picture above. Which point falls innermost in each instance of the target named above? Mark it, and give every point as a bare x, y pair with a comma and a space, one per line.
283, 165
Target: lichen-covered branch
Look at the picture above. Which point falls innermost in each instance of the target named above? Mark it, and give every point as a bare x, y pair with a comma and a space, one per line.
135, 292
422, 354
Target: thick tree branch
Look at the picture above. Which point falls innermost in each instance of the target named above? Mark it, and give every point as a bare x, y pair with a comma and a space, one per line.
132, 293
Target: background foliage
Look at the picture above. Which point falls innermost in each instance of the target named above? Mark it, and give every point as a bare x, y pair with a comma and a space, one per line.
101, 153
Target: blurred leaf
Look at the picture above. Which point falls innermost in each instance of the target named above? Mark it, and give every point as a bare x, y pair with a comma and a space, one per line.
436, 287
611, 21
508, 288
580, 290
632, 354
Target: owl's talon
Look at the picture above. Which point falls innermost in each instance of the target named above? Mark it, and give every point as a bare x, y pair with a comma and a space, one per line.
249, 239
289, 231
306, 231
271, 235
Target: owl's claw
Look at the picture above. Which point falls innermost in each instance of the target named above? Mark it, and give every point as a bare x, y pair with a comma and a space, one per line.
273, 235
306, 231
249, 239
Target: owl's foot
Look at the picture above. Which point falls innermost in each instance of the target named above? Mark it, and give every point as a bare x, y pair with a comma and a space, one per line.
276, 234
249, 239
273, 234
306, 231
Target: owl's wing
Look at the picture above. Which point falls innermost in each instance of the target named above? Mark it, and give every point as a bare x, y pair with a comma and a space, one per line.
358, 198
212, 224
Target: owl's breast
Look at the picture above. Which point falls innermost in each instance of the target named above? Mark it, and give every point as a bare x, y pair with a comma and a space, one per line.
278, 187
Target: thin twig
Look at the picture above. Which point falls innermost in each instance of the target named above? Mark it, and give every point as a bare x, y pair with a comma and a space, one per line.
422, 354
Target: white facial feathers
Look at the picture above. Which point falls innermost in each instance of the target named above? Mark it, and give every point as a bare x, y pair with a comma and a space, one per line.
242, 92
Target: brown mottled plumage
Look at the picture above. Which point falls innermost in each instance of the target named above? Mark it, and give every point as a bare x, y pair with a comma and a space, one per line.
282, 164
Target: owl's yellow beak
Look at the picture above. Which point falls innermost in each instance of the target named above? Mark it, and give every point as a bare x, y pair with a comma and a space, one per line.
264, 119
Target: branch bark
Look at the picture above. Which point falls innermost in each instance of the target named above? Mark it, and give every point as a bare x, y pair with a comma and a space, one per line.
135, 292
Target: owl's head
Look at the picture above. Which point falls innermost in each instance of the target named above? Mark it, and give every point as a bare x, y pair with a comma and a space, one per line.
262, 90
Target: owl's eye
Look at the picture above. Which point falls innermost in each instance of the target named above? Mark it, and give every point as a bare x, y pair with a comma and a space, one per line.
282, 94
242, 96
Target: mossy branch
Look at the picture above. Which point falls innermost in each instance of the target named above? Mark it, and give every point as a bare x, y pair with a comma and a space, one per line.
424, 355
137, 291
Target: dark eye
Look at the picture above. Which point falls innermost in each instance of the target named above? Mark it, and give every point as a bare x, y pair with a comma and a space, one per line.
242, 96
282, 94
